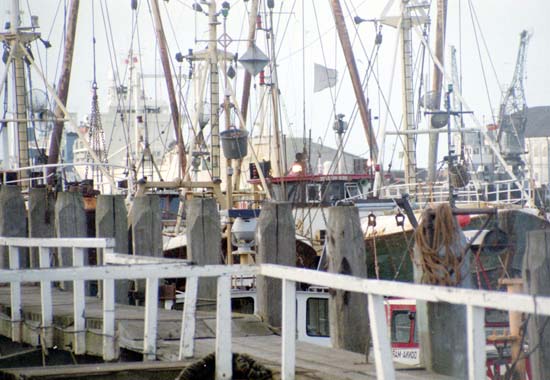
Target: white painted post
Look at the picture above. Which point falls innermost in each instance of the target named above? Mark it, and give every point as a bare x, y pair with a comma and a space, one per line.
475, 317
187, 340
79, 301
46, 299
15, 293
151, 311
224, 367
100, 257
109, 349
380, 340
288, 360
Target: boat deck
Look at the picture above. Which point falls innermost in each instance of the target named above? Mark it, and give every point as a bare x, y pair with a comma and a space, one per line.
250, 336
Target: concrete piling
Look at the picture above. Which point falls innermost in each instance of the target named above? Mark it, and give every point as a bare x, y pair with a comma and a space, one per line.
276, 239
41, 217
203, 240
348, 314
13, 222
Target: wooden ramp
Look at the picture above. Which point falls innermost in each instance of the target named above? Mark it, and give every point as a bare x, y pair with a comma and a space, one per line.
249, 335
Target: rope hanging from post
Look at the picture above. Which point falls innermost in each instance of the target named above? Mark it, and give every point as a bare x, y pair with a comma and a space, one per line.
440, 262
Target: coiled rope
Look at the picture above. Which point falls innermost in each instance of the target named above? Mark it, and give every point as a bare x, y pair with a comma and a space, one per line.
441, 255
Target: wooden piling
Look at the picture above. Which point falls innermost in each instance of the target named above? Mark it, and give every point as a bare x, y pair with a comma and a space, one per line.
515, 286
13, 222
146, 222
204, 240
70, 221
41, 217
536, 281
443, 349
348, 315
111, 221
276, 239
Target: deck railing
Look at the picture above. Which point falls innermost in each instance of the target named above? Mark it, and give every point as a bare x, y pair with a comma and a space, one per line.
498, 192
475, 301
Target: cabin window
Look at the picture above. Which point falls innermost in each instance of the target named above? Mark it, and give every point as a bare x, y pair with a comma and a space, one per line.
313, 193
401, 326
334, 192
415, 330
169, 205
352, 190
317, 317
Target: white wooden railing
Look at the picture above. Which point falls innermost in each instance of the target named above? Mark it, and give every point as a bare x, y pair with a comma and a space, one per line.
45, 250
475, 300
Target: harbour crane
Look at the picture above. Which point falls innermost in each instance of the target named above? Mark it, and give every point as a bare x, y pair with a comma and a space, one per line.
512, 117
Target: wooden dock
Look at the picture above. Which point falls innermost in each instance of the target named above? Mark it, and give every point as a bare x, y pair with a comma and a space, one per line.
249, 336
34, 311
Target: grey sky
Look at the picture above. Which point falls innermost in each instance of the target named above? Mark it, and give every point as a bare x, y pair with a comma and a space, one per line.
501, 22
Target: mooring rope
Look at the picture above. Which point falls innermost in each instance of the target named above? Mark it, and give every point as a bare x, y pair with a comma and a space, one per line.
440, 259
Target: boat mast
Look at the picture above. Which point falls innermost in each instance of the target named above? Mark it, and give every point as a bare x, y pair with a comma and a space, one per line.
20, 92
408, 95
214, 92
274, 89
437, 83
161, 39
63, 89
354, 73
253, 14
252, 20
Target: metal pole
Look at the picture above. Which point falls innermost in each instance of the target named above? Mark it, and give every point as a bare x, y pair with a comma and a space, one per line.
449, 145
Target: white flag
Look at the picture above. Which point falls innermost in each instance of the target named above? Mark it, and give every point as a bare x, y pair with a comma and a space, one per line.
324, 77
